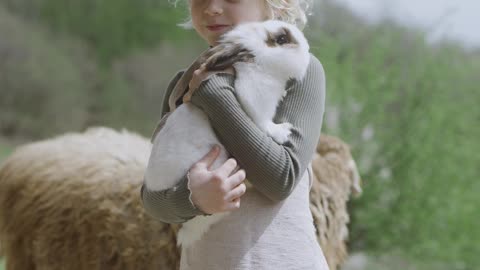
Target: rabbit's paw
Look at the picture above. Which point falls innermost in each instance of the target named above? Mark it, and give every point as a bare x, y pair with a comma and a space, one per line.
279, 132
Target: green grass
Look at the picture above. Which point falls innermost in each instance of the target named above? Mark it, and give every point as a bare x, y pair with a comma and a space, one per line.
396, 261
2, 264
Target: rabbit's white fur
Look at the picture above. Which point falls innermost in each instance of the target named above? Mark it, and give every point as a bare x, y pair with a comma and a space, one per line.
260, 85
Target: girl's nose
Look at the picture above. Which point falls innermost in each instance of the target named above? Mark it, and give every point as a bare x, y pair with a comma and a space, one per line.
214, 8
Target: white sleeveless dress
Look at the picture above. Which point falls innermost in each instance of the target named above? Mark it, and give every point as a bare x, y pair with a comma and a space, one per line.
261, 235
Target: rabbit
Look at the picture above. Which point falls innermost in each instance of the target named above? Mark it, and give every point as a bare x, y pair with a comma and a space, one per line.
265, 55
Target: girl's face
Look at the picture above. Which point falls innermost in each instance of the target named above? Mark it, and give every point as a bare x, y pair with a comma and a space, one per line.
212, 18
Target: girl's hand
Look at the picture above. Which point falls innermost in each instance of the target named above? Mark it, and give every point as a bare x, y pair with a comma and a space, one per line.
215, 191
199, 76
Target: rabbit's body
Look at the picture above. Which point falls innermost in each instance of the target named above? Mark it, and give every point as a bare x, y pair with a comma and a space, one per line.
187, 135
260, 98
183, 140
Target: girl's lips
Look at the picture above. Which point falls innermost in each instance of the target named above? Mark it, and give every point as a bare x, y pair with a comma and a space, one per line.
217, 28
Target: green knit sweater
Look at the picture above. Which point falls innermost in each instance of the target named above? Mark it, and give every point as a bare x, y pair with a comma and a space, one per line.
273, 169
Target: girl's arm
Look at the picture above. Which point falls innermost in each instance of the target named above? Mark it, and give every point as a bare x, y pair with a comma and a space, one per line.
173, 205
272, 168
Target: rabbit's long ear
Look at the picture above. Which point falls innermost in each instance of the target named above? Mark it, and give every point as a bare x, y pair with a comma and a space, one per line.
225, 55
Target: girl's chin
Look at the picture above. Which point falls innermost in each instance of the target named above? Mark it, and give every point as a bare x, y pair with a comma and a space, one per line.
213, 38
213, 44
214, 41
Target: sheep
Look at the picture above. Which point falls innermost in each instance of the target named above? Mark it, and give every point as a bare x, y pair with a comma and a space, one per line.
266, 55
336, 178
72, 202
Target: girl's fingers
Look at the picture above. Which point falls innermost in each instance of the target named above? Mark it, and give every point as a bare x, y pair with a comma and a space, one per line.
236, 179
236, 193
188, 96
235, 204
227, 167
206, 161
198, 77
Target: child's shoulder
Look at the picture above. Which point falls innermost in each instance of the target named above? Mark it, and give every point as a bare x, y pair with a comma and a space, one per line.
178, 75
315, 65
315, 73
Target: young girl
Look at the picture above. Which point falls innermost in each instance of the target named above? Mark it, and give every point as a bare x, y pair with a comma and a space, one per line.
270, 226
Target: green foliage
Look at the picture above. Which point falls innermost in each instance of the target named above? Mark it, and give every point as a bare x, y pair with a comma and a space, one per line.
42, 84
112, 27
135, 86
408, 110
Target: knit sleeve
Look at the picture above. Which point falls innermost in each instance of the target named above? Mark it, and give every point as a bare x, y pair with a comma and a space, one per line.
168, 92
172, 205
271, 168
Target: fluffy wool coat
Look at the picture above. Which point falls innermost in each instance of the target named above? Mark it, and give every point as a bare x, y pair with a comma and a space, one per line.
72, 202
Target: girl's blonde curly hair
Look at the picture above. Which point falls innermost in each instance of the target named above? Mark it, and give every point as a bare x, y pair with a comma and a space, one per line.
290, 11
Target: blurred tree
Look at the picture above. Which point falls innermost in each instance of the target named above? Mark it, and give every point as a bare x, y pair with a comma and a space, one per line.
112, 27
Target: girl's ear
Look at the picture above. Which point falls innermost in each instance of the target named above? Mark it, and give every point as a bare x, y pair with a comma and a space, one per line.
225, 55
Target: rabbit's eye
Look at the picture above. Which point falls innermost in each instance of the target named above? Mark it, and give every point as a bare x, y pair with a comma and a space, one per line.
282, 39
